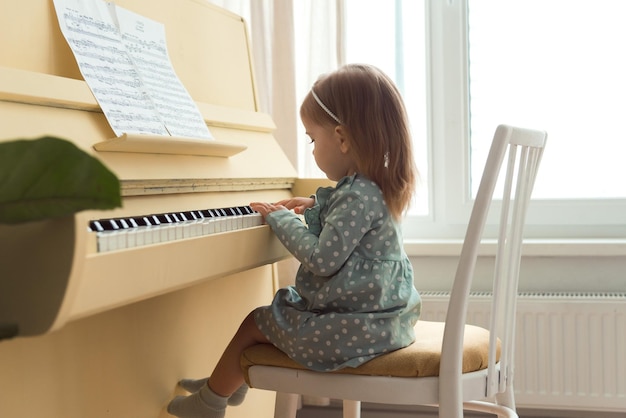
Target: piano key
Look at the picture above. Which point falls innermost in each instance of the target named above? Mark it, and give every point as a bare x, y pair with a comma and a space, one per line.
140, 234
107, 234
219, 220
186, 224
208, 224
231, 219
95, 226
167, 227
121, 233
195, 227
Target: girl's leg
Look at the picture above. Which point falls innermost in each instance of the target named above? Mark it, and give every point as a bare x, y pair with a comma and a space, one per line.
226, 378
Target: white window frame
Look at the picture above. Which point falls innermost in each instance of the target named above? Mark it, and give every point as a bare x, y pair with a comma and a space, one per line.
448, 131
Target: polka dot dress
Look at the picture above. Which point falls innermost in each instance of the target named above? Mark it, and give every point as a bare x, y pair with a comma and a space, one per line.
354, 297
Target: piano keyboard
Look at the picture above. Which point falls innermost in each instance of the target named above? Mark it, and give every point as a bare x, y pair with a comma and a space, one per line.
122, 233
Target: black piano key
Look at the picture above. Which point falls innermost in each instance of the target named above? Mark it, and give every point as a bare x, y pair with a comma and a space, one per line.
139, 221
95, 226
105, 225
206, 213
164, 218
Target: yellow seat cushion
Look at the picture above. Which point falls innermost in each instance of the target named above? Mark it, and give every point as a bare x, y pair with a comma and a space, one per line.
419, 359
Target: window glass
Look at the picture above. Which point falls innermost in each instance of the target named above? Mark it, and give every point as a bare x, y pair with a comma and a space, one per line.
558, 66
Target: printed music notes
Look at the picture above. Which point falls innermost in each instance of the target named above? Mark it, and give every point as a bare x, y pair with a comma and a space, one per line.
123, 58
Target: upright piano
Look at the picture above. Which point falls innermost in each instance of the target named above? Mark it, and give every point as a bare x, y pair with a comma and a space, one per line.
53, 272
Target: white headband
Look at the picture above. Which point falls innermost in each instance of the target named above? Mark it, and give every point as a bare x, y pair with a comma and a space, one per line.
323, 106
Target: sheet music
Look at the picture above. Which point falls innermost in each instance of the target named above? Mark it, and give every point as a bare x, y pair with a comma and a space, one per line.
123, 57
144, 39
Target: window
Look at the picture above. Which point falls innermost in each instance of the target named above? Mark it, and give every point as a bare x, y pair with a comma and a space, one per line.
552, 65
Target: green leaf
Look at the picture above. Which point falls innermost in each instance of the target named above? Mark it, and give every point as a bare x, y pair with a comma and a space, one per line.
50, 177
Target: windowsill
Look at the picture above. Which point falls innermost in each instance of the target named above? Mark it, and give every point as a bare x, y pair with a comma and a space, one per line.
531, 247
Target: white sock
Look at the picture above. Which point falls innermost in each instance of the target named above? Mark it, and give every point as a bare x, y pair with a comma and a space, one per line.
203, 404
238, 396
194, 385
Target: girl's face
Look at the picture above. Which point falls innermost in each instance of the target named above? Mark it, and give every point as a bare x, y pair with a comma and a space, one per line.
330, 149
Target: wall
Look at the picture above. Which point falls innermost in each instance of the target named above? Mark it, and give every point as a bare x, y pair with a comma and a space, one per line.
590, 266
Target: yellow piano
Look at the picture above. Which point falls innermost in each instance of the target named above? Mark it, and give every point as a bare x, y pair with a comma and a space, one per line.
108, 333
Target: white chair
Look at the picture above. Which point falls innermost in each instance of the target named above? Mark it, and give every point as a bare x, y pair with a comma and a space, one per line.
451, 364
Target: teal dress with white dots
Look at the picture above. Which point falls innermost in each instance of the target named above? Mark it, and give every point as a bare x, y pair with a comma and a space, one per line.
353, 297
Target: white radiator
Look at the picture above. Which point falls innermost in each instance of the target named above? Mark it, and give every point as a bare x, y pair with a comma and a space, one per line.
570, 349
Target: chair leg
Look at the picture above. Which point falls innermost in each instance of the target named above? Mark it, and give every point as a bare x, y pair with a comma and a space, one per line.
351, 409
286, 405
506, 398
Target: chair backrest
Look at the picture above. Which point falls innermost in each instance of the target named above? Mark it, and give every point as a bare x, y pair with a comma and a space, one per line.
521, 151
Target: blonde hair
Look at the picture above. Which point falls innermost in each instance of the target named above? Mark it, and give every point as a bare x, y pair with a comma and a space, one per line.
372, 113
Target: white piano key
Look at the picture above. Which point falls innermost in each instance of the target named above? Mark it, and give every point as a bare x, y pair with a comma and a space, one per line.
178, 232
208, 226
120, 239
131, 238
196, 229
140, 236
186, 229
102, 241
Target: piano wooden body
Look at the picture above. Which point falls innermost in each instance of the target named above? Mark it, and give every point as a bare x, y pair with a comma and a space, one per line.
109, 334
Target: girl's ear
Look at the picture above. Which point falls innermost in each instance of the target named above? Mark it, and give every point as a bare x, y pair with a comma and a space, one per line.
344, 142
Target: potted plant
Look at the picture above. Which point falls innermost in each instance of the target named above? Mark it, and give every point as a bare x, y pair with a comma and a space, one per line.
43, 183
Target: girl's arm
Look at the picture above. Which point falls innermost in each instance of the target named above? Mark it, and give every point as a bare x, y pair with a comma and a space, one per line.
322, 253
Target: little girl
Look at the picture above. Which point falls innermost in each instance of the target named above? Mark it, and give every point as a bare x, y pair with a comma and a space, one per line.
354, 297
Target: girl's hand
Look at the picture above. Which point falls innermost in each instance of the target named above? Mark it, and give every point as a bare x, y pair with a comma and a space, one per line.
298, 204
265, 208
